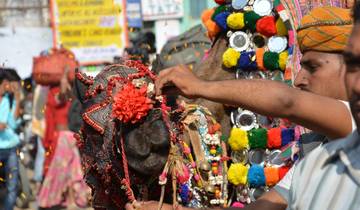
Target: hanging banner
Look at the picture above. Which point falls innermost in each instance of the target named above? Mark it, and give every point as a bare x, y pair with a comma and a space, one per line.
133, 13
93, 30
162, 9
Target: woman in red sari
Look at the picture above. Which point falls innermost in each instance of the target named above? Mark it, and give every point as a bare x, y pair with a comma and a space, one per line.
62, 167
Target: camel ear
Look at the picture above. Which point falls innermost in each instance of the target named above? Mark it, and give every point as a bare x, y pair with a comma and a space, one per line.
81, 85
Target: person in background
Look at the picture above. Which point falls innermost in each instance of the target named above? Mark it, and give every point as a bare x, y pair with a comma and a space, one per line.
9, 140
63, 177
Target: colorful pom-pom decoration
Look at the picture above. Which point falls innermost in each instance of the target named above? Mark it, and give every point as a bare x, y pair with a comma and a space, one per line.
238, 139
283, 58
281, 28
247, 61
206, 15
218, 10
238, 174
256, 176
212, 28
250, 19
287, 136
236, 21
260, 58
271, 60
283, 171
266, 26
271, 175
220, 20
258, 138
230, 58
274, 138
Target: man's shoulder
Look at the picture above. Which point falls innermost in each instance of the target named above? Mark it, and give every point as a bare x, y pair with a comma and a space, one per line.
320, 155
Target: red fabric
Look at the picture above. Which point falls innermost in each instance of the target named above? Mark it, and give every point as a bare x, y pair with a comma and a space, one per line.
274, 138
283, 171
220, 2
266, 26
55, 114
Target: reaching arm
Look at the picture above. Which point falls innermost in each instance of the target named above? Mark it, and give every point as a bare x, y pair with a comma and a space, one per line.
321, 114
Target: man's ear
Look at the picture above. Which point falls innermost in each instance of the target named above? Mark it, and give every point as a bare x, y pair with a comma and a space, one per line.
81, 83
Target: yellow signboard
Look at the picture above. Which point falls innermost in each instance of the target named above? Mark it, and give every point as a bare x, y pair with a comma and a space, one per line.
95, 30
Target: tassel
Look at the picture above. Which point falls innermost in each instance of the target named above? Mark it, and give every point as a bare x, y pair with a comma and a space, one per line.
258, 138
250, 19
274, 138
283, 57
230, 58
266, 26
236, 21
220, 20
256, 176
271, 60
247, 61
237, 174
238, 139
287, 136
271, 175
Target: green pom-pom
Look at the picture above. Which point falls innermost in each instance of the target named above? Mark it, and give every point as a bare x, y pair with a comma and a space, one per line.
218, 10
276, 3
271, 60
257, 138
224, 138
250, 19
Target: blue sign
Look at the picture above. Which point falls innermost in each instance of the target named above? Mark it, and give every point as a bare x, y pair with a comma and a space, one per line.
133, 13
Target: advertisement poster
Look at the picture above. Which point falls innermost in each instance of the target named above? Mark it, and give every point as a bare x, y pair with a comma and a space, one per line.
162, 9
94, 30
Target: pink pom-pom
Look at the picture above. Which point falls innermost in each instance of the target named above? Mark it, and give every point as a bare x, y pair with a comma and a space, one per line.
238, 205
193, 165
197, 177
187, 150
183, 176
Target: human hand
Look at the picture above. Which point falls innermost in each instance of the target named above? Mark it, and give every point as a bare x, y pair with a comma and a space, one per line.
179, 80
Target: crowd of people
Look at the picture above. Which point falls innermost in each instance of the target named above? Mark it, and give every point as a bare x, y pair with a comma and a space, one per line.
325, 101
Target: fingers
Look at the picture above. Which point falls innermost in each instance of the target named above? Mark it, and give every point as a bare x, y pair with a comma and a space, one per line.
163, 78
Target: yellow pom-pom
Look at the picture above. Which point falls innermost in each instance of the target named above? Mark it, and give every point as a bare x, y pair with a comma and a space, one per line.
236, 21
238, 139
237, 174
283, 57
230, 58
281, 28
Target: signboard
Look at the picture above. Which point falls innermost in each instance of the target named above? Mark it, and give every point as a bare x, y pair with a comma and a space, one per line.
93, 30
162, 9
133, 13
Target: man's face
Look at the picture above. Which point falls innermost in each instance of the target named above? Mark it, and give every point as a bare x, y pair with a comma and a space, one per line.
352, 77
323, 74
4, 86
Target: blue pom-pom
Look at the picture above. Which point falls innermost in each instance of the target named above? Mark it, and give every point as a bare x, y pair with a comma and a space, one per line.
287, 136
184, 193
247, 61
220, 20
256, 176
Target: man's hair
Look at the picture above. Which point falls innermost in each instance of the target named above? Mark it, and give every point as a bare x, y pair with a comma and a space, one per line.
357, 12
12, 75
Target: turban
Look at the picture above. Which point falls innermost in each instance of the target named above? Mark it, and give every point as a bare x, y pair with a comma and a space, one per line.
325, 29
